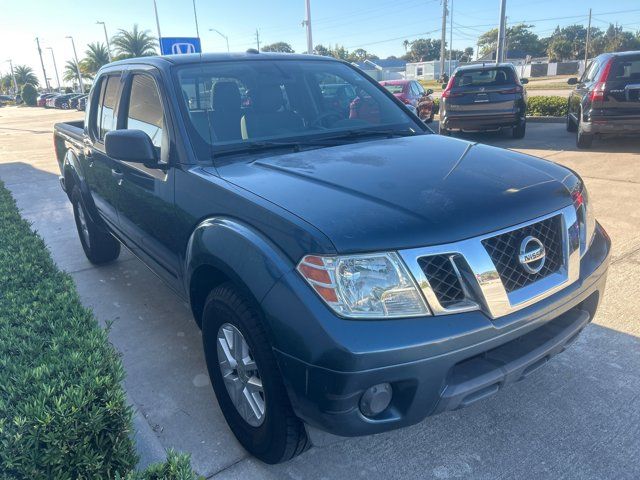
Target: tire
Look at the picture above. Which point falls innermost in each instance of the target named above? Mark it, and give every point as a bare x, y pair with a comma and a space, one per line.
519, 130
444, 131
99, 245
583, 140
278, 435
570, 125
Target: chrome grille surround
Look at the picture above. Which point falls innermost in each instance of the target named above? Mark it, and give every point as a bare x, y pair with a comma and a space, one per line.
483, 286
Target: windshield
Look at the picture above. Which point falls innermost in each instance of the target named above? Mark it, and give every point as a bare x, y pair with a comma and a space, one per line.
237, 103
483, 77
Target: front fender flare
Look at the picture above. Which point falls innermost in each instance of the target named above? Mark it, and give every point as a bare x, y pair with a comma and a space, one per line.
239, 251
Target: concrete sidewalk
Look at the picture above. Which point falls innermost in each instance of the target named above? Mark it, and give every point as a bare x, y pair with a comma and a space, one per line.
579, 417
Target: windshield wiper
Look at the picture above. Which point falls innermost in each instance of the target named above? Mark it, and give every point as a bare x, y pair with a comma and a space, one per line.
389, 133
255, 147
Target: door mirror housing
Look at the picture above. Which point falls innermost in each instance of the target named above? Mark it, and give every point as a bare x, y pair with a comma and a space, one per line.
130, 146
572, 81
524, 81
429, 91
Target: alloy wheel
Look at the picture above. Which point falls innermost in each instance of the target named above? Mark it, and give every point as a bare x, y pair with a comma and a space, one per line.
241, 375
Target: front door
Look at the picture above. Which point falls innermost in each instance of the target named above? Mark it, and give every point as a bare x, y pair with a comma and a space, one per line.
147, 209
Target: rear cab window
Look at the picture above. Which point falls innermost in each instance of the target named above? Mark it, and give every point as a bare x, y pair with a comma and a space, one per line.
484, 77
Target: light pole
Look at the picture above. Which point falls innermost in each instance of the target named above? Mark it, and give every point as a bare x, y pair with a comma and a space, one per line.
500, 53
155, 9
77, 63
222, 35
106, 37
307, 22
13, 76
55, 67
44, 72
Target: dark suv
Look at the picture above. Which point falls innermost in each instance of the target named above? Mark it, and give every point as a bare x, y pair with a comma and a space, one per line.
484, 98
606, 99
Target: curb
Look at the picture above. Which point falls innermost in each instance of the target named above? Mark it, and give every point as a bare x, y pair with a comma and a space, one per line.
546, 119
148, 446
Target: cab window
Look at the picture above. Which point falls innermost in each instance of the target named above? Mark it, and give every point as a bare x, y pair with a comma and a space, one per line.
105, 118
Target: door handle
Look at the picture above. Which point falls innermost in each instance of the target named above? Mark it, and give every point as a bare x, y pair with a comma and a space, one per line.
118, 175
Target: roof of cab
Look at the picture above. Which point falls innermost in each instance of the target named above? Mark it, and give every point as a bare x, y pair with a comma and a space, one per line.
193, 58
487, 65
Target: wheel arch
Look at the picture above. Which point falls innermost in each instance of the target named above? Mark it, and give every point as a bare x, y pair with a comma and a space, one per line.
224, 249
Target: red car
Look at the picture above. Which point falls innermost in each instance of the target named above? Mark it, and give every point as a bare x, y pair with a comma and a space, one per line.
410, 92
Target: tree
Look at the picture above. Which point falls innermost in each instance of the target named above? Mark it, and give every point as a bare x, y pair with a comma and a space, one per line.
70, 73
519, 37
423, 50
97, 56
278, 47
568, 43
6, 83
614, 40
25, 75
134, 43
322, 50
29, 94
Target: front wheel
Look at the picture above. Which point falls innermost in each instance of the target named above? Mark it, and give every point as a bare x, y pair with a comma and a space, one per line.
98, 245
246, 378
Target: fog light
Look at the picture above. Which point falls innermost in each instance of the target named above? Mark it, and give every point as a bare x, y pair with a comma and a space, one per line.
375, 399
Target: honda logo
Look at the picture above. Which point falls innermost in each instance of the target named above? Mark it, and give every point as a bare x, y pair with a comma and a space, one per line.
181, 48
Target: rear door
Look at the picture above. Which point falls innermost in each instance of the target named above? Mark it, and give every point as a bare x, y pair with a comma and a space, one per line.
622, 89
101, 171
484, 91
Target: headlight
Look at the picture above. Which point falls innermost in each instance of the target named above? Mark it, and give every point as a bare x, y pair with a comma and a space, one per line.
586, 220
372, 285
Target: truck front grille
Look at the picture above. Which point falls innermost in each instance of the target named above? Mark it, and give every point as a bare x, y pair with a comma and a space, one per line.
504, 249
443, 279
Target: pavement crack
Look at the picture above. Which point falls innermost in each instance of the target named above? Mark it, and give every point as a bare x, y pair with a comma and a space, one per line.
227, 467
626, 255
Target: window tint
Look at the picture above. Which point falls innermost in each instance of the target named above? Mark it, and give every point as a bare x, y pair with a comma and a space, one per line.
145, 108
625, 69
483, 78
108, 97
591, 72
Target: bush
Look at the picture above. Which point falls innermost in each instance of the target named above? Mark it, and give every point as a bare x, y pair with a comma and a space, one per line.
177, 467
29, 94
547, 106
63, 412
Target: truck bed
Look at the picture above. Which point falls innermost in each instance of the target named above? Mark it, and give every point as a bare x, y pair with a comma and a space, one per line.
67, 135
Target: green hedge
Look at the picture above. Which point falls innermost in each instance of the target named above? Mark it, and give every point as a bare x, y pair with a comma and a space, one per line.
29, 95
547, 106
63, 412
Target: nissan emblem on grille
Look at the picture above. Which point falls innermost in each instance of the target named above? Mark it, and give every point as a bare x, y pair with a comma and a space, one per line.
532, 254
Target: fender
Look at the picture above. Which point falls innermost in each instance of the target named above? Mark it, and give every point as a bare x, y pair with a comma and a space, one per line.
239, 251
72, 169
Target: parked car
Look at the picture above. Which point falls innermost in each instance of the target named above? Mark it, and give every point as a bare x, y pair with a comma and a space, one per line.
606, 99
42, 99
82, 103
350, 275
484, 98
4, 99
50, 101
63, 101
73, 101
411, 92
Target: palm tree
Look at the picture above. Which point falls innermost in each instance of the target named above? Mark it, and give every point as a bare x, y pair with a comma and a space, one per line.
70, 73
134, 43
96, 56
24, 75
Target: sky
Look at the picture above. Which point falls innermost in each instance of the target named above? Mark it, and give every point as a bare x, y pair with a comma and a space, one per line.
378, 26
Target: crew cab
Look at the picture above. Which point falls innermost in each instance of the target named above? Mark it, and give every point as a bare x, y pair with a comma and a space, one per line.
606, 99
351, 271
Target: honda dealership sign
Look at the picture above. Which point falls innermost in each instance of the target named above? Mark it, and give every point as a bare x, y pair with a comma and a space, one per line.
179, 45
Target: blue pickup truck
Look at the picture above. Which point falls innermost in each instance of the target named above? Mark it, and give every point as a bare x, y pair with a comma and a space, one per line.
351, 271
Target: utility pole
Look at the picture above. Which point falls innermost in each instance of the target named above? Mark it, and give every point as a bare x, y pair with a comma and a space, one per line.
106, 38
443, 37
195, 17
307, 22
226, 39
155, 9
75, 55
501, 32
44, 72
258, 39
55, 67
586, 48
450, 35
13, 75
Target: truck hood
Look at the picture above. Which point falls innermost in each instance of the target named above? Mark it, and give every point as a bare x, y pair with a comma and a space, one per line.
405, 192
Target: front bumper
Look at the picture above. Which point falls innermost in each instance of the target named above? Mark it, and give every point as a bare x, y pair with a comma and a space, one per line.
434, 364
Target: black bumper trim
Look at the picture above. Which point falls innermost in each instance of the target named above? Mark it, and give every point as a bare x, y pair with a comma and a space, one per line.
481, 376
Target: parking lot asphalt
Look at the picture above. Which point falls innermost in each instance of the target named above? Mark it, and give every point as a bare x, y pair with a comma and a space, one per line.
579, 417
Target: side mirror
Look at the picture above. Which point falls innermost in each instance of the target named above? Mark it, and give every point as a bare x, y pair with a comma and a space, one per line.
572, 81
130, 146
429, 91
524, 81
444, 85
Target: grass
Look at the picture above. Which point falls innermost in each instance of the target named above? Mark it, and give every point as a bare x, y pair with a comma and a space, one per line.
63, 411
